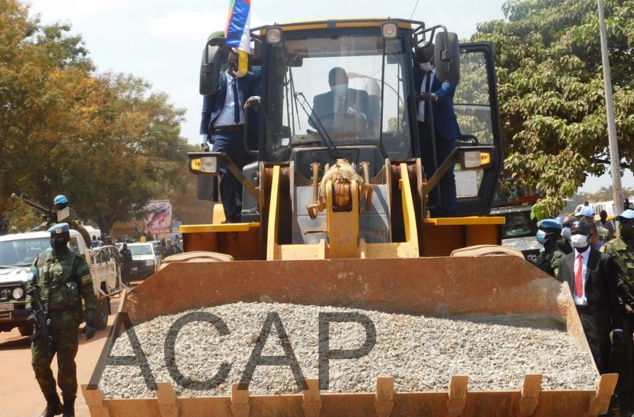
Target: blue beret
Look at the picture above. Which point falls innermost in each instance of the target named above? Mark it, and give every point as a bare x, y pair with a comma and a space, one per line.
551, 224
587, 211
58, 229
627, 214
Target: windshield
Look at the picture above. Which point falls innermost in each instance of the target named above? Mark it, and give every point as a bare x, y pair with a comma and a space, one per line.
22, 252
141, 250
330, 86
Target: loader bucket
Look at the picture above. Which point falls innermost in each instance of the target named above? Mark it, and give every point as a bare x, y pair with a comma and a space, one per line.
495, 288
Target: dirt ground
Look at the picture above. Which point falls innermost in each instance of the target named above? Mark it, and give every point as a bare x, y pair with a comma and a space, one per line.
20, 395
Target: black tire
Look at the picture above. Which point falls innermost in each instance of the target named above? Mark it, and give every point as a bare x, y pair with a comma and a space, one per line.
25, 330
101, 313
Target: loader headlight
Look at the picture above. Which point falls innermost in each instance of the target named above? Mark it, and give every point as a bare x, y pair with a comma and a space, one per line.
389, 30
475, 160
18, 292
274, 35
204, 165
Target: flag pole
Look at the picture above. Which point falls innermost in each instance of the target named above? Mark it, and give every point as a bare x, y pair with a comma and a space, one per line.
615, 165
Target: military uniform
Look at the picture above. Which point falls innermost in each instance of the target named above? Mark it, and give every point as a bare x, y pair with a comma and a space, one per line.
548, 261
548, 235
63, 279
623, 256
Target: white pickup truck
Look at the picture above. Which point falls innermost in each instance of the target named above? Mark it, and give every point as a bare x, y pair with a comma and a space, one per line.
17, 252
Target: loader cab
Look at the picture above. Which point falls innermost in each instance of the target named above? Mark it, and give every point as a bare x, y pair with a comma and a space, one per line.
298, 122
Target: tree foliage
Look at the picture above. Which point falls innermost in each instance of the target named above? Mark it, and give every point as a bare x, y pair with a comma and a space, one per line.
106, 141
552, 92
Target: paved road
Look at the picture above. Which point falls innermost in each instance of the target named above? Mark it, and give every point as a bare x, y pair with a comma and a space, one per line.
20, 395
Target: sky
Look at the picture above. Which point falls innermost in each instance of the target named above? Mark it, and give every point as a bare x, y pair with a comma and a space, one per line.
161, 41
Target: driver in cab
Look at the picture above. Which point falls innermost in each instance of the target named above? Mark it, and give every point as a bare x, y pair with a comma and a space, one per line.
342, 109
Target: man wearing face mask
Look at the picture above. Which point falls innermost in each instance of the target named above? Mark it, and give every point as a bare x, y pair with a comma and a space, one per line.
587, 213
591, 276
222, 121
342, 109
621, 249
63, 279
435, 108
547, 235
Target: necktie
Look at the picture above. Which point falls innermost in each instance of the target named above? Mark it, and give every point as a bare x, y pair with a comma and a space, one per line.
579, 277
340, 104
236, 102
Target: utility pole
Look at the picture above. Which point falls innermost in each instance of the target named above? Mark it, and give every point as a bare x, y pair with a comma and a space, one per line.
615, 160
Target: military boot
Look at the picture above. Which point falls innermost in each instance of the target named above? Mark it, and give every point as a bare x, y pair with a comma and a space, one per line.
53, 406
69, 406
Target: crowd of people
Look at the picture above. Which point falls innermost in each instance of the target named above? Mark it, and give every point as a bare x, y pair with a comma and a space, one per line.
597, 263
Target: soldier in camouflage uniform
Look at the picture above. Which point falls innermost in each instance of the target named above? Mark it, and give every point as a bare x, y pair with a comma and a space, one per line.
548, 235
622, 250
63, 279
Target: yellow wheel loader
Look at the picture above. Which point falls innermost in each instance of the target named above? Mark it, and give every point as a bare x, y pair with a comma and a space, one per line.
336, 213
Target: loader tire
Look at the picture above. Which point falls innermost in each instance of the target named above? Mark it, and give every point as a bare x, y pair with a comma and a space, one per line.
195, 256
487, 250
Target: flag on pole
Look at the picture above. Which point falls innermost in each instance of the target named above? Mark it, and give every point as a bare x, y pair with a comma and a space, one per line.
238, 31
238, 25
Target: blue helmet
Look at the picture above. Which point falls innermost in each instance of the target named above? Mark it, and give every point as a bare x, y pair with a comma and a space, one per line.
58, 229
551, 224
60, 199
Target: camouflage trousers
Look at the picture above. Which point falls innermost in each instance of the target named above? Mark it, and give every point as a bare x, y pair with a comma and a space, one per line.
65, 333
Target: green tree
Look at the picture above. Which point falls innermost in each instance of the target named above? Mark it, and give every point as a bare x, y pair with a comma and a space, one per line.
127, 150
35, 63
552, 93
106, 141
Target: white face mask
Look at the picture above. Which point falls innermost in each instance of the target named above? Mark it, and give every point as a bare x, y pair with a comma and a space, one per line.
426, 66
579, 241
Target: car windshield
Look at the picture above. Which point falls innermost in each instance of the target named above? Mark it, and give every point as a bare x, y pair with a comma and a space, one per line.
21, 252
141, 250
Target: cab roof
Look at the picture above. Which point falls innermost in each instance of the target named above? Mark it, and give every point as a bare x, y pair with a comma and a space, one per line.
340, 23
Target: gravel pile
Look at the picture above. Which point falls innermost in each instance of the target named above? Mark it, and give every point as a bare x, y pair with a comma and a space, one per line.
421, 353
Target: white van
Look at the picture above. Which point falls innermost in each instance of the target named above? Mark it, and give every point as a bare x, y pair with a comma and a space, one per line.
145, 260
17, 252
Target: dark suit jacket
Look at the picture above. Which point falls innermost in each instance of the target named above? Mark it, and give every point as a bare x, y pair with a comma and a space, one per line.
248, 86
445, 120
603, 301
324, 105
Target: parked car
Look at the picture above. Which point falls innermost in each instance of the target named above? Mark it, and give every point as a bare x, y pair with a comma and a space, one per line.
146, 260
519, 230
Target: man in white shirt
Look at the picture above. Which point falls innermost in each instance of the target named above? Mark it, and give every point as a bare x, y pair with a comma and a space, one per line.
222, 121
591, 276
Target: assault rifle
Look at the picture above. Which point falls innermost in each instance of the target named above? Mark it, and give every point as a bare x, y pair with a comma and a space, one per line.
39, 317
49, 216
